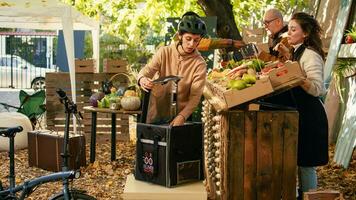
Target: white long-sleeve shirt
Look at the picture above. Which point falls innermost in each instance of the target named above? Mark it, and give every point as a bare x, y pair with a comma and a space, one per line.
313, 66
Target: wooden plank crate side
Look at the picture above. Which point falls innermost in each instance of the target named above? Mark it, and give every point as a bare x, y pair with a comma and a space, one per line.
264, 156
250, 161
259, 155
234, 156
277, 121
290, 129
86, 84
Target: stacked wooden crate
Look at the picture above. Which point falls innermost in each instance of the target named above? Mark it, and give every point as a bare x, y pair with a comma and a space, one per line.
86, 85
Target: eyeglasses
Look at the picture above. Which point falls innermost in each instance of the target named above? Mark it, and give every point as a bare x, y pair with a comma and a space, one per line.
267, 22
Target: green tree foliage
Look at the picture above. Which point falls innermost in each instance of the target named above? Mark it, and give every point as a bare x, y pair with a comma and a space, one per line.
249, 13
136, 20
137, 23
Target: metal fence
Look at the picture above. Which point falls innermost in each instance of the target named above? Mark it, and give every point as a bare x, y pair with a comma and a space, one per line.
25, 57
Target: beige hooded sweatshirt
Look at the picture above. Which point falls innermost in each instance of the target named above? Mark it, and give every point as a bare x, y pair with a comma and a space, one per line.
172, 60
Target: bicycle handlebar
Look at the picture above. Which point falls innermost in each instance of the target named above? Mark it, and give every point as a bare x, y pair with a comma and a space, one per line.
10, 131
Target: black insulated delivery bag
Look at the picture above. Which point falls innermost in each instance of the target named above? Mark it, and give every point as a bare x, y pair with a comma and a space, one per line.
169, 155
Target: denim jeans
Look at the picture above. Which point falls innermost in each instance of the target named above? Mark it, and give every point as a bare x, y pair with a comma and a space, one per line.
307, 178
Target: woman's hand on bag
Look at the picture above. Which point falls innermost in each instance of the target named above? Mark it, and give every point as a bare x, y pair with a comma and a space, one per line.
178, 120
146, 83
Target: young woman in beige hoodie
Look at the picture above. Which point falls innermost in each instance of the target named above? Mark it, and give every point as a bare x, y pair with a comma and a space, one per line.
181, 58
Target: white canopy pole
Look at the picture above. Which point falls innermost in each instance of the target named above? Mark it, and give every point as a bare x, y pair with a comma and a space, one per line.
52, 14
67, 23
95, 37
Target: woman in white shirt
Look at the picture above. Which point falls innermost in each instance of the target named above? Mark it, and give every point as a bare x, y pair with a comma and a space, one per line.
304, 35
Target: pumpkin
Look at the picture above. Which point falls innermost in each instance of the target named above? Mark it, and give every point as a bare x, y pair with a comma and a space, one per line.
130, 103
130, 93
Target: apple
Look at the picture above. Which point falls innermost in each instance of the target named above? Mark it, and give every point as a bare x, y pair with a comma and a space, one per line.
348, 39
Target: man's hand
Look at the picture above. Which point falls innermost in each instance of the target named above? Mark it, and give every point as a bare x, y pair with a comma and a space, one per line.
146, 83
283, 50
178, 120
238, 43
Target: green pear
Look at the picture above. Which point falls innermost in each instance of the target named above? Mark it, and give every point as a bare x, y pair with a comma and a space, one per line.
249, 79
237, 84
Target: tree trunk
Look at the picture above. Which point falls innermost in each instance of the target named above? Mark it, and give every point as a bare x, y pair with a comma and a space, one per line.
226, 26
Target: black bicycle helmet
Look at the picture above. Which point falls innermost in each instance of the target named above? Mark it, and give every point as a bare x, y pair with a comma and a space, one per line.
192, 24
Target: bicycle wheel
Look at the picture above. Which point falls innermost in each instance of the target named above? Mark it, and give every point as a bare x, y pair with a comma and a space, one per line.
74, 196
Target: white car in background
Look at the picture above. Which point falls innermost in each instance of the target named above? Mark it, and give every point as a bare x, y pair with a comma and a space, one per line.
24, 74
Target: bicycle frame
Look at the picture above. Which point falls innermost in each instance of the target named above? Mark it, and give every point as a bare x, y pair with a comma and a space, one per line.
65, 175
27, 186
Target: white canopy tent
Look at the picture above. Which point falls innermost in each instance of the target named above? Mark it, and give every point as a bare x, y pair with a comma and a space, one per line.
51, 15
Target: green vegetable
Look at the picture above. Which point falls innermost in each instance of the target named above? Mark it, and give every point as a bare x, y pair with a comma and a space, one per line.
257, 65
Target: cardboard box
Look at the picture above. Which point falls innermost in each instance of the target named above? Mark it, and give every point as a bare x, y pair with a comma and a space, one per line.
85, 65
234, 97
282, 78
45, 148
114, 65
286, 77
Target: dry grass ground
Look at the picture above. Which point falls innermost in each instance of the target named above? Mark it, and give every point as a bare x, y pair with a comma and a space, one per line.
105, 180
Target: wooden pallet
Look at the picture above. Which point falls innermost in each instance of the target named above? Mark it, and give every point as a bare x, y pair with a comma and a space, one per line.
86, 85
323, 195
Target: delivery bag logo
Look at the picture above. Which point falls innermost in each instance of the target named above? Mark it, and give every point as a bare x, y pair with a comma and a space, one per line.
148, 163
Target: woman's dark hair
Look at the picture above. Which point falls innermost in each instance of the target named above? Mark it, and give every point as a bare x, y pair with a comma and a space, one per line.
312, 29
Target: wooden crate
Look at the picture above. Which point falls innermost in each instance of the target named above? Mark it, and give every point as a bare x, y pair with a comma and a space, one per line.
85, 65
114, 65
86, 85
251, 154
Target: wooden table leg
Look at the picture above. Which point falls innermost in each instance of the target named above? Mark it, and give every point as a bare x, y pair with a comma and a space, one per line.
113, 136
93, 137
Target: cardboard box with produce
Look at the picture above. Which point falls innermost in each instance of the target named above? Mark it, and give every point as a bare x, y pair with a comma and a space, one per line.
236, 83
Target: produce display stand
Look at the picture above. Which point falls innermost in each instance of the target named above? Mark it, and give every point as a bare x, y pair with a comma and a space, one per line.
250, 154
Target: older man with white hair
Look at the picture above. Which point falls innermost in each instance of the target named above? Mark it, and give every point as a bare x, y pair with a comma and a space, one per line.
273, 23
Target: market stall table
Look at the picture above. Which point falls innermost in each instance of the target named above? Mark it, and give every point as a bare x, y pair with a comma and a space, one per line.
94, 112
